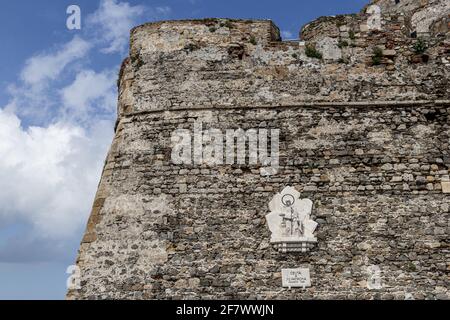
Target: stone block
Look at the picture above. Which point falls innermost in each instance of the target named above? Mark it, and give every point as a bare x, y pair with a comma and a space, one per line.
445, 187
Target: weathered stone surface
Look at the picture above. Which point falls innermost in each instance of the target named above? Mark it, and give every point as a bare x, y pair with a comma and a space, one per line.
368, 145
446, 187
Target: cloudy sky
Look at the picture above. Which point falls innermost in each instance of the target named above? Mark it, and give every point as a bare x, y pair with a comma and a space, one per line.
57, 112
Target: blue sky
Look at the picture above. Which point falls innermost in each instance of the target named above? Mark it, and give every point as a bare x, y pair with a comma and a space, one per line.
57, 111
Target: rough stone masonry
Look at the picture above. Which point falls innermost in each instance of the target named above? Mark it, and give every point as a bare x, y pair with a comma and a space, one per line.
362, 104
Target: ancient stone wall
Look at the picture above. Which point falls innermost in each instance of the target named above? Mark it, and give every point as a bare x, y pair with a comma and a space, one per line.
363, 132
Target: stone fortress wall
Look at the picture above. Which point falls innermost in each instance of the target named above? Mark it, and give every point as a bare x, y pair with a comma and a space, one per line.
362, 103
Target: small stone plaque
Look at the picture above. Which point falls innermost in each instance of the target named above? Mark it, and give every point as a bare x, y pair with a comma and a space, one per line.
296, 278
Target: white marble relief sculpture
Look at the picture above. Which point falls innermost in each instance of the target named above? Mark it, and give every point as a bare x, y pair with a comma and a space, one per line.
290, 222
374, 20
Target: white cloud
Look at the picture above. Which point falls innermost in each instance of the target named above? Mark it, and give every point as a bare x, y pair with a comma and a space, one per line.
48, 175
90, 93
161, 11
44, 67
49, 172
114, 20
33, 97
285, 34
